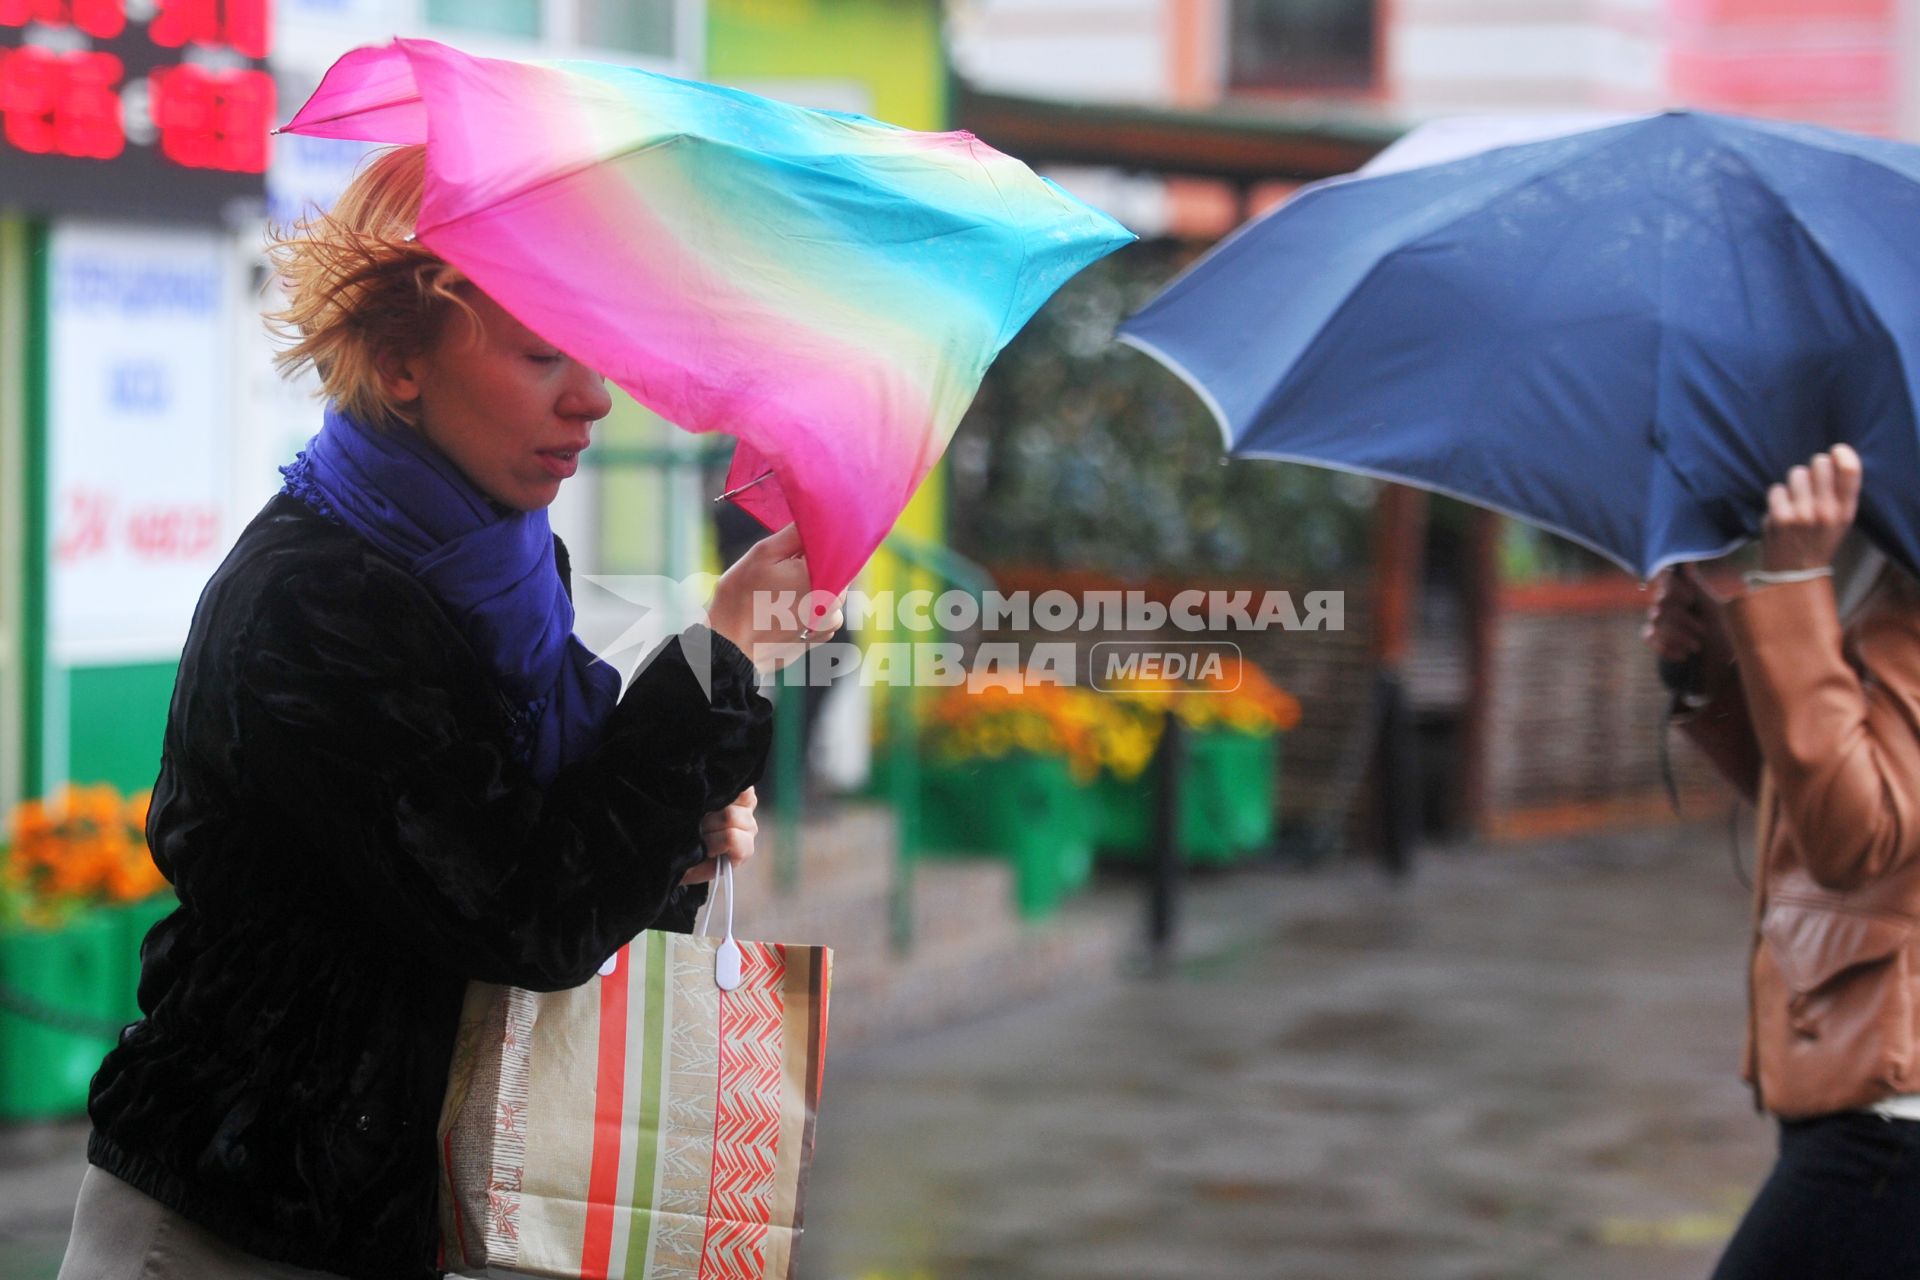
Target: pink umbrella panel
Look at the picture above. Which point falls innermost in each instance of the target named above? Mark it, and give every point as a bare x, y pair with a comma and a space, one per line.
828, 289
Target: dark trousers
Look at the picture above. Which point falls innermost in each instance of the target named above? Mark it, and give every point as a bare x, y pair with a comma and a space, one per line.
1842, 1203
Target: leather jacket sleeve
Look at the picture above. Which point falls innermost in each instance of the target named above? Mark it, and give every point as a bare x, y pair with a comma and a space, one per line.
386, 757
1843, 758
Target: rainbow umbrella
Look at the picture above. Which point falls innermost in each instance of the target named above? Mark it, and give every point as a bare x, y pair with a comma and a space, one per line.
824, 287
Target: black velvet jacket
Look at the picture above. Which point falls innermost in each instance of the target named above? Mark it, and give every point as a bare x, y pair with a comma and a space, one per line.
352, 839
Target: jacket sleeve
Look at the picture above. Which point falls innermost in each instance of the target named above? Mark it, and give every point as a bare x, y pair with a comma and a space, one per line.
1845, 762
391, 761
1722, 729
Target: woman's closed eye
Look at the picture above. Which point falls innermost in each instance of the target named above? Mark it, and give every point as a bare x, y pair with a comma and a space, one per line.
545, 357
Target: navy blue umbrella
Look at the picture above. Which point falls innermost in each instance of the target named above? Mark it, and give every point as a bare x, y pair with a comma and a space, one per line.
1623, 335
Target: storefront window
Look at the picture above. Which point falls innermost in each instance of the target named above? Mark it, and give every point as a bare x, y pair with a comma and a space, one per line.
499, 17
631, 26
1303, 45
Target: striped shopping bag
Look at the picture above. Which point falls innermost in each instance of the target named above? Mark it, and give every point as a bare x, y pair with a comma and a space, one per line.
647, 1124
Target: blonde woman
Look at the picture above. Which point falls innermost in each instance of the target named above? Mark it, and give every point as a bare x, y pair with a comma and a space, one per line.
389, 768
1813, 713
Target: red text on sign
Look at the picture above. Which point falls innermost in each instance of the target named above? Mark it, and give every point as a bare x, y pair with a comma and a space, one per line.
64, 104
213, 119
240, 24
102, 19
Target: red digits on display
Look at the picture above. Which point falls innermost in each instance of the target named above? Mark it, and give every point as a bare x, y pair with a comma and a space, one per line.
101, 19
104, 19
213, 120
179, 22
248, 29
243, 24
55, 103
61, 104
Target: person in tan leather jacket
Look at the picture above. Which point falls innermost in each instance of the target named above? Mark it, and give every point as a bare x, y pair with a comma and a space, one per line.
1818, 725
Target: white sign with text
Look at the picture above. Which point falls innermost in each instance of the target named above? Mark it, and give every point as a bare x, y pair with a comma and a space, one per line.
138, 425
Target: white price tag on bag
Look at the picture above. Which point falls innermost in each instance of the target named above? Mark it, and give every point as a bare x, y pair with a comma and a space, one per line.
726, 961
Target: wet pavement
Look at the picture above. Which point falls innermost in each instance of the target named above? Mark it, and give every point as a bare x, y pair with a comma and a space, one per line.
1517, 1064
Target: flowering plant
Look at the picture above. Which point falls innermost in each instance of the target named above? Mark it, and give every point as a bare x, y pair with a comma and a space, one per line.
84, 847
1240, 696
1097, 731
996, 722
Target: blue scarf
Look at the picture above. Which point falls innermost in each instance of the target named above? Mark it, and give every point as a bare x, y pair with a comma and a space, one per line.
493, 573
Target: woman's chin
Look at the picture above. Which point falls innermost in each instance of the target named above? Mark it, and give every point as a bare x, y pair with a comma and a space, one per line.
528, 495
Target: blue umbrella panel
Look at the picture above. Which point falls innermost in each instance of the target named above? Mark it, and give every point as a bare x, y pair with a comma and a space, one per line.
1624, 335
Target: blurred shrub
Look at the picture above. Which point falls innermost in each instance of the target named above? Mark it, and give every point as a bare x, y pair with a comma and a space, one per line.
1082, 453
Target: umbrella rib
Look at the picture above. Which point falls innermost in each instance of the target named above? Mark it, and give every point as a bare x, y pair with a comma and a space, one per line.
357, 111
1186, 375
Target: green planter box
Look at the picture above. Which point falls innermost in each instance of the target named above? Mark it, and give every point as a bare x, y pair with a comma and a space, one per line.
1024, 808
1123, 812
77, 971
135, 919
1226, 805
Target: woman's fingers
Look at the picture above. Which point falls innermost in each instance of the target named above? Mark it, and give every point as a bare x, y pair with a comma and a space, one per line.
1808, 514
822, 615
734, 845
1826, 501
782, 544
1780, 505
729, 833
732, 818
1848, 474
1800, 490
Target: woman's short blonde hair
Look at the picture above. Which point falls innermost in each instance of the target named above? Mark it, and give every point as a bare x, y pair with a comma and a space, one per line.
357, 289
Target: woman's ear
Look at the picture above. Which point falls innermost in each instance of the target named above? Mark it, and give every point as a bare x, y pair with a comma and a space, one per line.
399, 375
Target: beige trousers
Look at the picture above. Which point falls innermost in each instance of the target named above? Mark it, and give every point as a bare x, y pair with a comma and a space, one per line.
123, 1234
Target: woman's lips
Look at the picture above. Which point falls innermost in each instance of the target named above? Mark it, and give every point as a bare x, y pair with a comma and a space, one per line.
560, 463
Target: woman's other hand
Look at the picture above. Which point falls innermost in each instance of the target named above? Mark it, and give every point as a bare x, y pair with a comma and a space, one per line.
789, 619
1811, 511
1683, 619
726, 834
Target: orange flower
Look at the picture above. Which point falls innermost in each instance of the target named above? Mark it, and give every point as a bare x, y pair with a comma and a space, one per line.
87, 846
137, 806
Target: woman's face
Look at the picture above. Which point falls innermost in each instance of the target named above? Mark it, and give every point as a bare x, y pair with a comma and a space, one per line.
511, 411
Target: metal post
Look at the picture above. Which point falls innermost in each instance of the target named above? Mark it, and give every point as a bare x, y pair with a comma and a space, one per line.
1164, 880
903, 778
789, 777
1398, 811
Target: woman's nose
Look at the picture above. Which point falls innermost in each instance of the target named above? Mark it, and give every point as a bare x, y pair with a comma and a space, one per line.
586, 395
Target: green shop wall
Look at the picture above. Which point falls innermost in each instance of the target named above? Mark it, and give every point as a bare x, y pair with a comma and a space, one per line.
892, 47
115, 719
